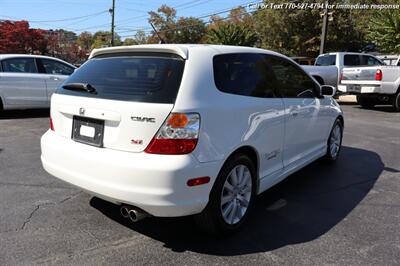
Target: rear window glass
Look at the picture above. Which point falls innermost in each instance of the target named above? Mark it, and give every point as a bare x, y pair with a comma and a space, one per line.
326, 60
153, 78
352, 60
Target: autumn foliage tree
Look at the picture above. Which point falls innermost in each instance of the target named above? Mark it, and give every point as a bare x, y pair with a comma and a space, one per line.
17, 37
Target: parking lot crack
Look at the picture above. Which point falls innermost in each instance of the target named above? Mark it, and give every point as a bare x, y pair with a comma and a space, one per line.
37, 207
70, 197
28, 219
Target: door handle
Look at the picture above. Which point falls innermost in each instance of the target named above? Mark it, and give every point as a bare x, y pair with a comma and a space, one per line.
54, 78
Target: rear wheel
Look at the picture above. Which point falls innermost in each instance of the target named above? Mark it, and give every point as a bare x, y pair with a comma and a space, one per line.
365, 101
335, 141
396, 101
231, 198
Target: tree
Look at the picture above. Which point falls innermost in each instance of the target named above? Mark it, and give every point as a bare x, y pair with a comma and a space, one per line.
298, 32
232, 34
140, 37
189, 30
176, 30
129, 41
384, 30
103, 39
85, 40
17, 37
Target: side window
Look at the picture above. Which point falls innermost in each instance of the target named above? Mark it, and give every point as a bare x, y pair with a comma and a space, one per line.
244, 74
351, 60
55, 67
293, 82
326, 60
367, 60
19, 65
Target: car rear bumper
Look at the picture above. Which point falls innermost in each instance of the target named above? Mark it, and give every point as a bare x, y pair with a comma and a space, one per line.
154, 183
358, 89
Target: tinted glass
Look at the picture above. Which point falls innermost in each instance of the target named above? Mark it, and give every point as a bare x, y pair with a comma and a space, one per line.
143, 78
19, 65
293, 81
352, 60
326, 60
369, 61
55, 67
244, 74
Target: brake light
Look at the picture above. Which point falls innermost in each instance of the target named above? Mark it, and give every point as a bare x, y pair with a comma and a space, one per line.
378, 74
51, 124
178, 135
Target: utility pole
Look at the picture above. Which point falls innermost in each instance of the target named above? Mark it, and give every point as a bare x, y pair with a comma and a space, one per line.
324, 27
112, 12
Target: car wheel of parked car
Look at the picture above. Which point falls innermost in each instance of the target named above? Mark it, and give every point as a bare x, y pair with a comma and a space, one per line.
231, 198
335, 141
365, 101
396, 101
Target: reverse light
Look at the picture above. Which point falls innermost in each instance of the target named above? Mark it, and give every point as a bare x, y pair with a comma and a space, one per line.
378, 74
178, 135
51, 124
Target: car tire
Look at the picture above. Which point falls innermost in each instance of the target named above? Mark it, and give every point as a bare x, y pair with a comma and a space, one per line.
365, 101
216, 218
396, 101
334, 141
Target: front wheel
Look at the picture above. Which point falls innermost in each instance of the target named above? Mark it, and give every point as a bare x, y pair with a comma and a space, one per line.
231, 198
335, 141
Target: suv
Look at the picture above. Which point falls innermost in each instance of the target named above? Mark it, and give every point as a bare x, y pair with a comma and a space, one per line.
174, 130
28, 81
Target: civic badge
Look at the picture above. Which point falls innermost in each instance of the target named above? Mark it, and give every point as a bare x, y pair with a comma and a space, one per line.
82, 111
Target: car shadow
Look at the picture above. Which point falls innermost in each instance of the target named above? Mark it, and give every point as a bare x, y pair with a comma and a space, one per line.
301, 208
22, 114
379, 108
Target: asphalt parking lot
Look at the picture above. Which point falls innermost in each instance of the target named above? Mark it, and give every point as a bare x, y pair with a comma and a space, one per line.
342, 214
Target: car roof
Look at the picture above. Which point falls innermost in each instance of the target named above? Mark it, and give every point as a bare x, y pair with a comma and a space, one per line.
6, 56
183, 50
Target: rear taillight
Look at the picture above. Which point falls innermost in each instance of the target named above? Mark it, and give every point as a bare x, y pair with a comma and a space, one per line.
178, 135
51, 124
378, 74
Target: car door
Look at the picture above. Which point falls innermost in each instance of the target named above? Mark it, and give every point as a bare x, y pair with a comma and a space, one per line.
262, 110
54, 73
305, 132
21, 85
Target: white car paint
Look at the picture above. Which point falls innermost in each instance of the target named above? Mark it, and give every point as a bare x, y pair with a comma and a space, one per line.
286, 134
22, 90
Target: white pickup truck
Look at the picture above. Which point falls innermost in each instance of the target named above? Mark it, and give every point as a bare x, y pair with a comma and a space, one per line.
328, 66
372, 85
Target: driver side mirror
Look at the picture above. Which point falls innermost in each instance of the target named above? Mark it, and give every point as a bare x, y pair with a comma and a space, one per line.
326, 90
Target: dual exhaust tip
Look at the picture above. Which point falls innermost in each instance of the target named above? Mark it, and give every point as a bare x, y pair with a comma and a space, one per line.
133, 213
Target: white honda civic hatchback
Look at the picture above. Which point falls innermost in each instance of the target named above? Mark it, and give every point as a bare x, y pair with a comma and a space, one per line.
174, 130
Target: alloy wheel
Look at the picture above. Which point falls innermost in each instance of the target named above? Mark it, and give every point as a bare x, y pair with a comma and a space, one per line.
236, 194
335, 141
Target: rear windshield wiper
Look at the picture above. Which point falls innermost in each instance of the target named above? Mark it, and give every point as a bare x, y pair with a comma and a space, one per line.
80, 87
